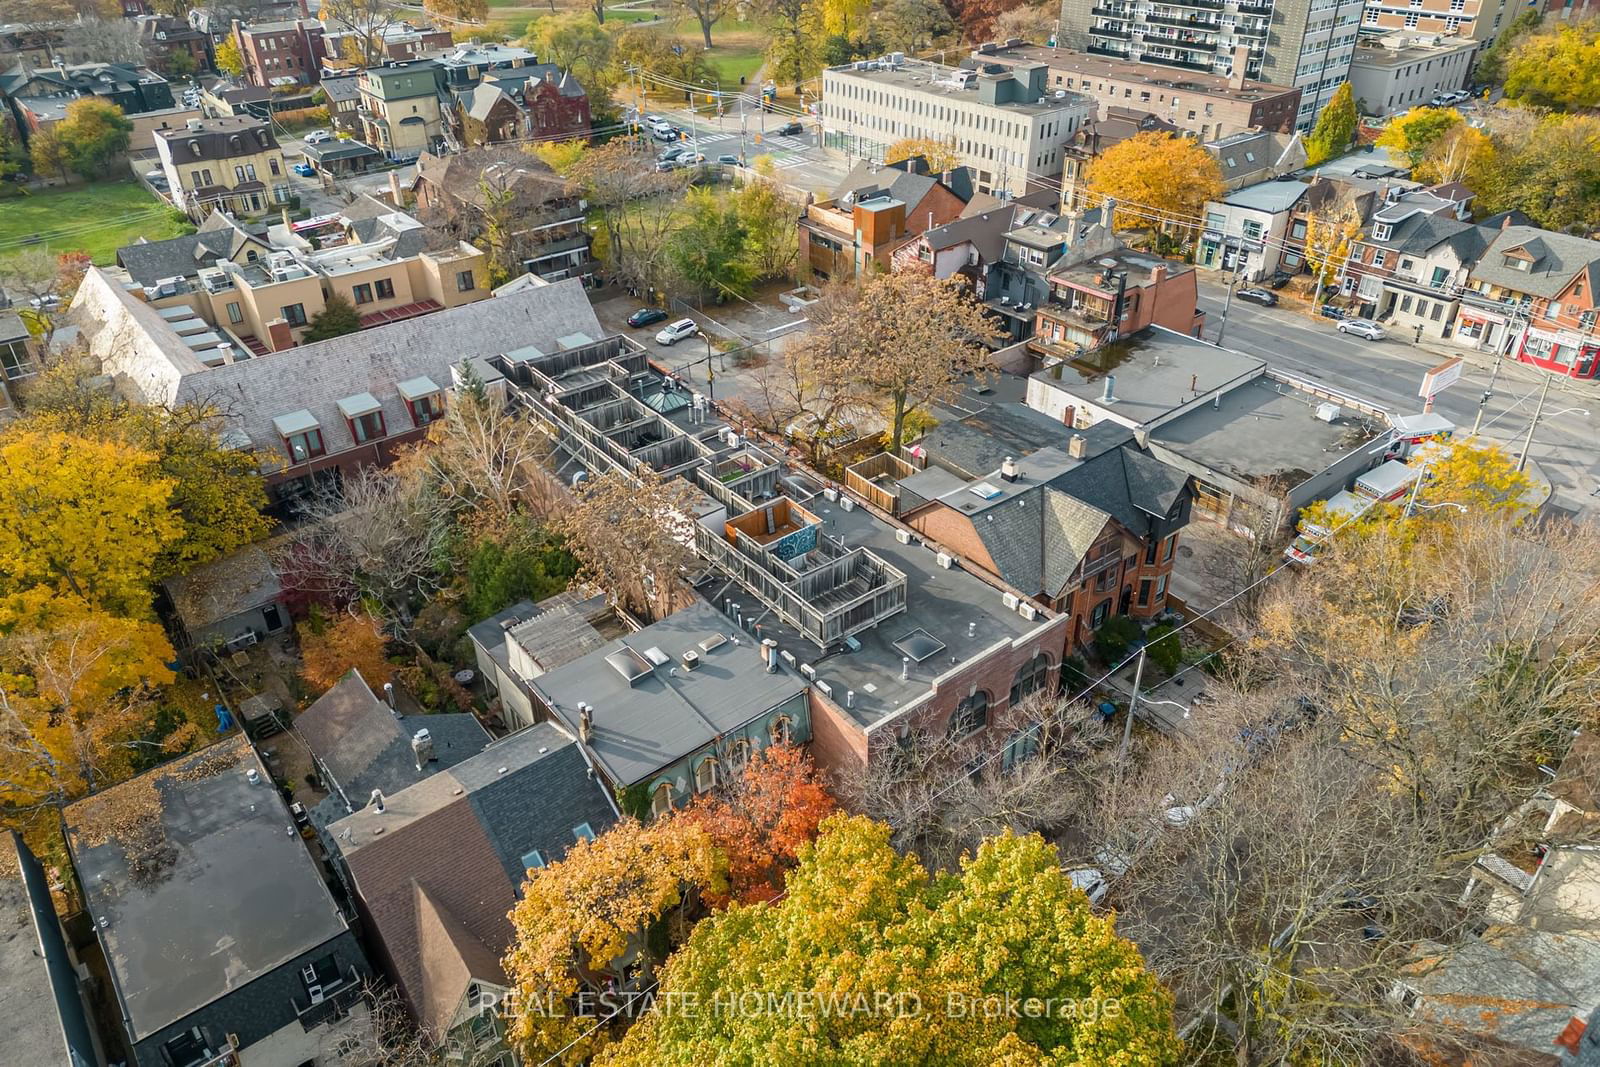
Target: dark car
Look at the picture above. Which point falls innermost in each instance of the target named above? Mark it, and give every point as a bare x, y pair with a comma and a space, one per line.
790, 129
646, 317
1265, 297
1279, 279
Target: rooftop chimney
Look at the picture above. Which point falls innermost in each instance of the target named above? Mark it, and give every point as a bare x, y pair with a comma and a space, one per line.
585, 722
1158, 274
691, 660
422, 748
388, 694
377, 800
769, 654
1241, 59
1008, 469
1109, 394
1075, 446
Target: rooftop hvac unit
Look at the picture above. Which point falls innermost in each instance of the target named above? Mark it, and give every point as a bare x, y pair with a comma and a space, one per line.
1009, 600
846, 503
944, 559
1027, 611
1328, 412
903, 536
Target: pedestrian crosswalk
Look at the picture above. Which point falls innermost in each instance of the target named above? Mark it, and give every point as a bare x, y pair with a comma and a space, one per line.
790, 162
713, 138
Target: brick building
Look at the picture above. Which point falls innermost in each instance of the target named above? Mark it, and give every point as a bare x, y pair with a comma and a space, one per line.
281, 53
173, 47
1533, 294
877, 210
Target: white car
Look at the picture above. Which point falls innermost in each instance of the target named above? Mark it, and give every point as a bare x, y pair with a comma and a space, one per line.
1091, 881
318, 137
1362, 328
674, 332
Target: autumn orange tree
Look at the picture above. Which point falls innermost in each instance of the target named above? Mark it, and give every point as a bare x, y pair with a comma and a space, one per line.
893, 963
762, 817
349, 642
1154, 173
588, 920
633, 537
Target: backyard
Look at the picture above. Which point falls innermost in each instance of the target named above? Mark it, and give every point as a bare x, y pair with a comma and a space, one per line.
98, 218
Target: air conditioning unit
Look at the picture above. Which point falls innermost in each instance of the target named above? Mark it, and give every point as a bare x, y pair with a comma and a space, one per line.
1010, 600
945, 560
903, 536
846, 503
1027, 611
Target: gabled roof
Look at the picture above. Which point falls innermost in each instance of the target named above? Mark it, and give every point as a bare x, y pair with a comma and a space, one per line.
903, 181
1557, 258
363, 745
225, 138
985, 232
484, 98
45, 1018
440, 867
460, 175
1421, 233
217, 591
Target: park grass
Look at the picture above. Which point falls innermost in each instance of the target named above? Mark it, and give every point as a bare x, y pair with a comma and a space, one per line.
98, 218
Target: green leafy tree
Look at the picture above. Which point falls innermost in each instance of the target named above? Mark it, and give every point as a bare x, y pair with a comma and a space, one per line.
12, 156
575, 42
1559, 69
863, 925
1491, 64
337, 318
1415, 132
528, 563
768, 221
49, 153
1165, 650
794, 52
708, 252
1550, 171
1335, 128
94, 135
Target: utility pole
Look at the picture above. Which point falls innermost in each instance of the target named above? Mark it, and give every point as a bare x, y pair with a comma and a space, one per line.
1133, 706
1483, 402
1538, 412
1228, 302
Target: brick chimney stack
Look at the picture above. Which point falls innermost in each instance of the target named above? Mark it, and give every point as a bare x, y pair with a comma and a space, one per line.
1241, 59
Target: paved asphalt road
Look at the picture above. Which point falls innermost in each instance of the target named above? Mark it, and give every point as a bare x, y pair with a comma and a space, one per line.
1389, 372
797, 159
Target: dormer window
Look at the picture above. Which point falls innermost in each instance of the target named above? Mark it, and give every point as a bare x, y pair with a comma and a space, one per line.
424, 400
1516, 263
1381, 231
365, 416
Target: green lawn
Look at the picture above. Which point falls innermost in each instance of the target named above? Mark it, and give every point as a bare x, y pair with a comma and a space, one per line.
97, 218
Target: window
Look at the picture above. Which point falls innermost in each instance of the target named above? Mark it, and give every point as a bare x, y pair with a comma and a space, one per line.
1022, 745
1586, 320
705, 775
1252, 229
250, 171
1411, 18
1516, 263
781, 731
1555, 309
238, 174
235, 316
1405, 302
739, 754
1380, 231
661, 799
15, 362
1032, 677
464, 283
362, 293
1172, 546
1101, 612
971, 715
1379, 258
294, 314
1161, 589
533, 860
1144, 592
426, 409
583, 832
1297, 229
304, 446
368, 427
385, 289
1150, 551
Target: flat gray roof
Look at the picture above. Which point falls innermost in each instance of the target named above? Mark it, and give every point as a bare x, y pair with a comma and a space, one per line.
1157, 371
939, 601
1263, 429
1270, 196
915, 74
224, 893
666, 712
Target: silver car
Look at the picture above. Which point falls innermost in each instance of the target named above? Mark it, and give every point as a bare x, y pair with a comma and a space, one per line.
1362, 328
674, 332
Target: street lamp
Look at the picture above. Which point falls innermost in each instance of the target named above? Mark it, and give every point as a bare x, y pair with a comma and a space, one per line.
1538, 413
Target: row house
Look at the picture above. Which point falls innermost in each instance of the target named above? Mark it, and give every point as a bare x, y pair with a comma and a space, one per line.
173, 47
1532, 295
1410, 270
404, 108
281, 53
39, 98
1110, 295
227, 164
541, 102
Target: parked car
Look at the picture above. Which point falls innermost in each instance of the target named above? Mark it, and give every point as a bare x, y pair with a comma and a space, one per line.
157, 178
673, 151
305, 170
47, 302
671, 163
677, 331
1091, 881
728, 161
790, 129
646, 317
318, 137
1362, 328
1279, 279
1265, 297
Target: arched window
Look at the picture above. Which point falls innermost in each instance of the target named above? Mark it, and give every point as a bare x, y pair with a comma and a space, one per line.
781, 731
971, 714
661, 799
738, 754
705, 775
1032, 677
1022, 745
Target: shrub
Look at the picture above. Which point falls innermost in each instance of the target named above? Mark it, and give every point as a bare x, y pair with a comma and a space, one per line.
1115, 636
1164, 649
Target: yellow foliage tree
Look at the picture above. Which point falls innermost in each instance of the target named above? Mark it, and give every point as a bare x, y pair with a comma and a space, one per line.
1458, 152
1416, 132
229, 59
1172, 177
348, 643
940, 155
75, 687
561, 155
83, 517
1328, 240
893, 960
592, 910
